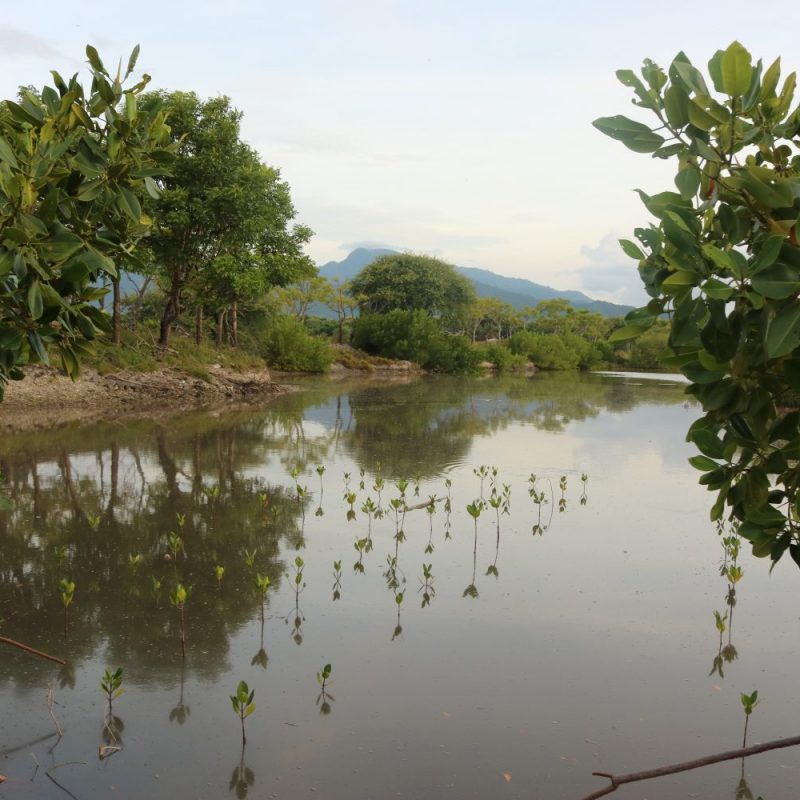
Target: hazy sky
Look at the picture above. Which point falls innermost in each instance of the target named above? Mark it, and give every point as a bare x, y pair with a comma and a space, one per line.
459, 129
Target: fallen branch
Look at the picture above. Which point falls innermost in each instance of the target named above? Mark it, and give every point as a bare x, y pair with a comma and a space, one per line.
31, 650
685, 766
426, 504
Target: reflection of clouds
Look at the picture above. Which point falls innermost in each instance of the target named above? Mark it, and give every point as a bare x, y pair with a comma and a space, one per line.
610, 273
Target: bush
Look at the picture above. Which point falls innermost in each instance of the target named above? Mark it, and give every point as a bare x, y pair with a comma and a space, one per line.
503, 359
285, 344
414, 336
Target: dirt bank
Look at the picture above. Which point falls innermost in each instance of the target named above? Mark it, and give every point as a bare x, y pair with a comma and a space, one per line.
46, 398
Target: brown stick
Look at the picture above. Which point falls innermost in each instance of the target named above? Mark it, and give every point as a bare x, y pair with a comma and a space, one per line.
31, 650
728, 755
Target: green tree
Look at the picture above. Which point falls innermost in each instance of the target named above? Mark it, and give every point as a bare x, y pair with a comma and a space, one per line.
224, 219
722, 260
408, 282
73, 164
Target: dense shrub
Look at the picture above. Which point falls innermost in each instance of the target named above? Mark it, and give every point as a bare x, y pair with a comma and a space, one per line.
284, 343
503, 359
414, 336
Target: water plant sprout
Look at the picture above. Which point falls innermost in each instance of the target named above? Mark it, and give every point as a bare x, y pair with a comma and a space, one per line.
243, 705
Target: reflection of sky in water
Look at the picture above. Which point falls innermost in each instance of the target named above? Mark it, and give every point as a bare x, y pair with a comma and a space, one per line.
591, 650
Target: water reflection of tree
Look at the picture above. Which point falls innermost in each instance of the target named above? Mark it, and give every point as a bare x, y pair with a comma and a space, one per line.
84, 503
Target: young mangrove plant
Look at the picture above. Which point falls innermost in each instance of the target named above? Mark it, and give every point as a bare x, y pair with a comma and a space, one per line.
175, 544
66, 588
481, 472
448, 508
60, 552
749, 702
431, 509
369, 508
93, 520
243, 705
262, 584
350, 497
398, 628
584, 481
111, 686
324, 699
360, 545
361, 473
538, 497
378, 487
426, 586
155, 588
134, 561
562, 501
250, 557
320, 469
219, 573
337, 580
178, 598
180, 519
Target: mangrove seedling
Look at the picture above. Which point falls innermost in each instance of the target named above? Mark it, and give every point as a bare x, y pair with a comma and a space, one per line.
219, 572
323, 675
243, 704
378, 488
320, 471
178, 599
427, 584
60, 552
337, 580
346, 477
361, 474
369, 508
584, 481
398, 628
111, 684
562, 485
350, 497
155, 588
481, 472
66, 588
134, 561
431, 509
94, 521
360, 545
250, 557
324, 699
180, 519
749, 702
175, 543
262, 583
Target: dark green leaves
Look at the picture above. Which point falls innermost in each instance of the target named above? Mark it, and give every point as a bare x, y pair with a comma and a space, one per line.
783, 333
634, 135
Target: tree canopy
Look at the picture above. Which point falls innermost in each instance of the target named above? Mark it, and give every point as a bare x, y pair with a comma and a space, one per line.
223, 221
73, 164
722, 260
408, 282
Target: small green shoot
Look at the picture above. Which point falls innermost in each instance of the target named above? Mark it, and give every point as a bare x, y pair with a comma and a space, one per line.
243, 704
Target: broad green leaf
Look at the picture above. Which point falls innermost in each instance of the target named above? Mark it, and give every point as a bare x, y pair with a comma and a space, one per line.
681, 278
715, 289
703, 463
7, 154
707, 442
699, 117
690, 76
737, 70
35, 304
697, 373
688, 181
783, 333
770, 81
767, 254
94, 59
632, 250
627, 332
676, 104
134, 57
632, 134
152, 187
777, 282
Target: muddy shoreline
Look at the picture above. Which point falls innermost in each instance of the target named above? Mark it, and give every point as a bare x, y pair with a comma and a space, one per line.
46, 399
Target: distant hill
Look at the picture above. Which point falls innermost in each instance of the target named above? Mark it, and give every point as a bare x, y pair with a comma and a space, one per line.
518, 292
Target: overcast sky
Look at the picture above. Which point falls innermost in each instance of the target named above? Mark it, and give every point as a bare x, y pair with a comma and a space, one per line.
459, 129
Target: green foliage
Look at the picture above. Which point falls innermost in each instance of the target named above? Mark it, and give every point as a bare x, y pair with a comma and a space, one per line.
285, 344
243, 705
407, 282
111, 684
546, 350
223, 220
415, 336
749, 702
73, 164
502, 358
66, 588
722, 259
323, 675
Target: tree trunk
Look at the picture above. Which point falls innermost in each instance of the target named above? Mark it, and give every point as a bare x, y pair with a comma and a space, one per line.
220, 326
172, 309
198, 325
116, 314
235, 324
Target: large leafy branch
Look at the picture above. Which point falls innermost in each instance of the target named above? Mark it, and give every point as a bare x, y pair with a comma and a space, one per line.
722, 262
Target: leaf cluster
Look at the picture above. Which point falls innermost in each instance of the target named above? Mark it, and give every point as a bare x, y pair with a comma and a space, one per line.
722, 262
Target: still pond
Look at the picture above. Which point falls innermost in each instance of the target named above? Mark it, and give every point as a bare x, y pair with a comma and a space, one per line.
566, 625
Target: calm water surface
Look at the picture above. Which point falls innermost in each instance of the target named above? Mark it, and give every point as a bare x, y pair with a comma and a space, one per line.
578, 637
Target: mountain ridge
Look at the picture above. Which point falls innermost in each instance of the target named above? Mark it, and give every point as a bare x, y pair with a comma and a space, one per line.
518, 292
